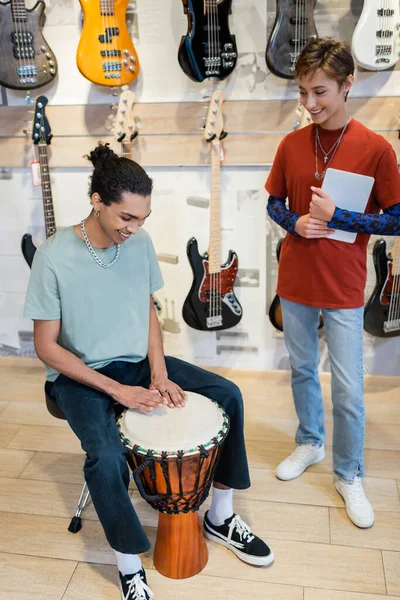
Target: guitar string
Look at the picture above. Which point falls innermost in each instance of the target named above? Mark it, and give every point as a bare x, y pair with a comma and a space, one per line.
17, 33
219, 49
392, 296
214, 52
45, 178
24, 29
396, 283
295, 33
117, 44
20, 32
208, 33
103, 23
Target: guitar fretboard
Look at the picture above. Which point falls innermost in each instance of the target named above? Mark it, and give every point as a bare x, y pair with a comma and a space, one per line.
18, 10
107, 7
49, 219
214, 248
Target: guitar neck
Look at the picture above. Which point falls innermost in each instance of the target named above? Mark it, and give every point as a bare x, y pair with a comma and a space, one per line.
49, 219
126, 149
107, 7
214, 248
18, 10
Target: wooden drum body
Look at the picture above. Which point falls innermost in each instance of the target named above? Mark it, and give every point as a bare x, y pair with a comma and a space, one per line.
173, 454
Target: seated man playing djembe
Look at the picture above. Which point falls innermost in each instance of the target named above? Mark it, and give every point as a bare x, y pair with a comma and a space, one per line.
96, 329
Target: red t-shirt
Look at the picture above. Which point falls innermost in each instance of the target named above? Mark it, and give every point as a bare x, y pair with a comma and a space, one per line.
322, 272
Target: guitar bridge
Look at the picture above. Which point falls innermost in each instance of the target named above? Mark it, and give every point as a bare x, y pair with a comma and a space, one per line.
393, 325
214, 321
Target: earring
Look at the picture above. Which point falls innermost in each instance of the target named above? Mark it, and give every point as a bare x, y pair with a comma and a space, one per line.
97, 214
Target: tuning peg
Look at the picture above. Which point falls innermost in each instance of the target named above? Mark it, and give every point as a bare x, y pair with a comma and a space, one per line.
138, 124
27, 131
113, 106
28, 121
31, 112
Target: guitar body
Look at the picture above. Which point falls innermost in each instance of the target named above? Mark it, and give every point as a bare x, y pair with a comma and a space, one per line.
106, 54
294, 27
376, 310
196, 308
203, 53
27, 59
28, 248
275, 310
376, 39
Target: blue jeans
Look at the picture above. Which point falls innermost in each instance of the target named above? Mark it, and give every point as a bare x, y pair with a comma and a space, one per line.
344, 338
91, 415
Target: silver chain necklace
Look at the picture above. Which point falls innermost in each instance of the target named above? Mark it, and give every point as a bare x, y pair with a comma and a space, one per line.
319, 176
91, 249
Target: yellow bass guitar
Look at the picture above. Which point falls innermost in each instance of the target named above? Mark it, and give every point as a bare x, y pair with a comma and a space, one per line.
106, 54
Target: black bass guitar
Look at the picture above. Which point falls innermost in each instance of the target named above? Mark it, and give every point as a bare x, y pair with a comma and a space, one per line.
208, 49
382, 311
27, 59
294, 27
275, 310
41, 137
211, 304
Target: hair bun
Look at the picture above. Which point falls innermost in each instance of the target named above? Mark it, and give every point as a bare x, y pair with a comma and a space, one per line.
101, 154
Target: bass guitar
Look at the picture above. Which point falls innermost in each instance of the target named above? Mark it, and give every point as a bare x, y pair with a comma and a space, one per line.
376, 38
211, 304
275, 310
27, 61
294, 27
382, 311
208, 49
106, 54
41, 136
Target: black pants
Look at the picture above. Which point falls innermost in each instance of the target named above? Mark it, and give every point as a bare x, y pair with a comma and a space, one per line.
91, 415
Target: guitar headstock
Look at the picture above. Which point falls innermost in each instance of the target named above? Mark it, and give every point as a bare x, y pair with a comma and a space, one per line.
41, 131
214, 127
125, 127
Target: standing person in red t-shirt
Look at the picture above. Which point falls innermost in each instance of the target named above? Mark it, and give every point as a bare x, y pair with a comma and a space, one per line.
318, 274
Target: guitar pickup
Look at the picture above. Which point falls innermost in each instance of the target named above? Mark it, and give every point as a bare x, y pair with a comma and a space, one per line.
382, 60
385, 12
110, 53
108, 36
214, 321
384, 33
298, 20
295, 41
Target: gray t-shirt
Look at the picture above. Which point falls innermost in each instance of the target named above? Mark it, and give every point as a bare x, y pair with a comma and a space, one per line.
104, 312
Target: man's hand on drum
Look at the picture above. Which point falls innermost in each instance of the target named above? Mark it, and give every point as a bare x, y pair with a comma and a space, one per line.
172, 394
138, 397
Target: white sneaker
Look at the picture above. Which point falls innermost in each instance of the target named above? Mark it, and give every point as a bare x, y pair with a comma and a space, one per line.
304, 456
358, 508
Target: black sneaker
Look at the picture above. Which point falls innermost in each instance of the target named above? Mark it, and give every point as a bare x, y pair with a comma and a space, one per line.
238, 537
134, 587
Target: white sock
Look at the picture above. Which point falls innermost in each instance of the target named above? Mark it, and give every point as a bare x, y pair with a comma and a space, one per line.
221, 506
128, 564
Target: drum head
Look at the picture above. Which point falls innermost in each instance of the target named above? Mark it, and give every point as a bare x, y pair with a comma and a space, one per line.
167, 429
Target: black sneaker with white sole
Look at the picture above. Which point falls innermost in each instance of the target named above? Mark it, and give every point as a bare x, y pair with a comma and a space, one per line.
238, 537
134, 587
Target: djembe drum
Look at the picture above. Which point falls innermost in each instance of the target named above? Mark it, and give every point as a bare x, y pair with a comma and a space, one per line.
173, 454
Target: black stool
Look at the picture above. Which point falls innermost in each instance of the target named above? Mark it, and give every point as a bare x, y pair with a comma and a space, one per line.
55, 411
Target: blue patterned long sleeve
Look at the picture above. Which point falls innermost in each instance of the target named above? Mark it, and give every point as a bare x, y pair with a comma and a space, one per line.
387, 223
279, 212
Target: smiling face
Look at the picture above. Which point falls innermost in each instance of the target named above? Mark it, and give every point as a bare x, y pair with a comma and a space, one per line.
120, 220
324, 98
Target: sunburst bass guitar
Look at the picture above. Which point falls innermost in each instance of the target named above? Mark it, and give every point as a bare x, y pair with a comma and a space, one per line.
211, 304
106, 54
